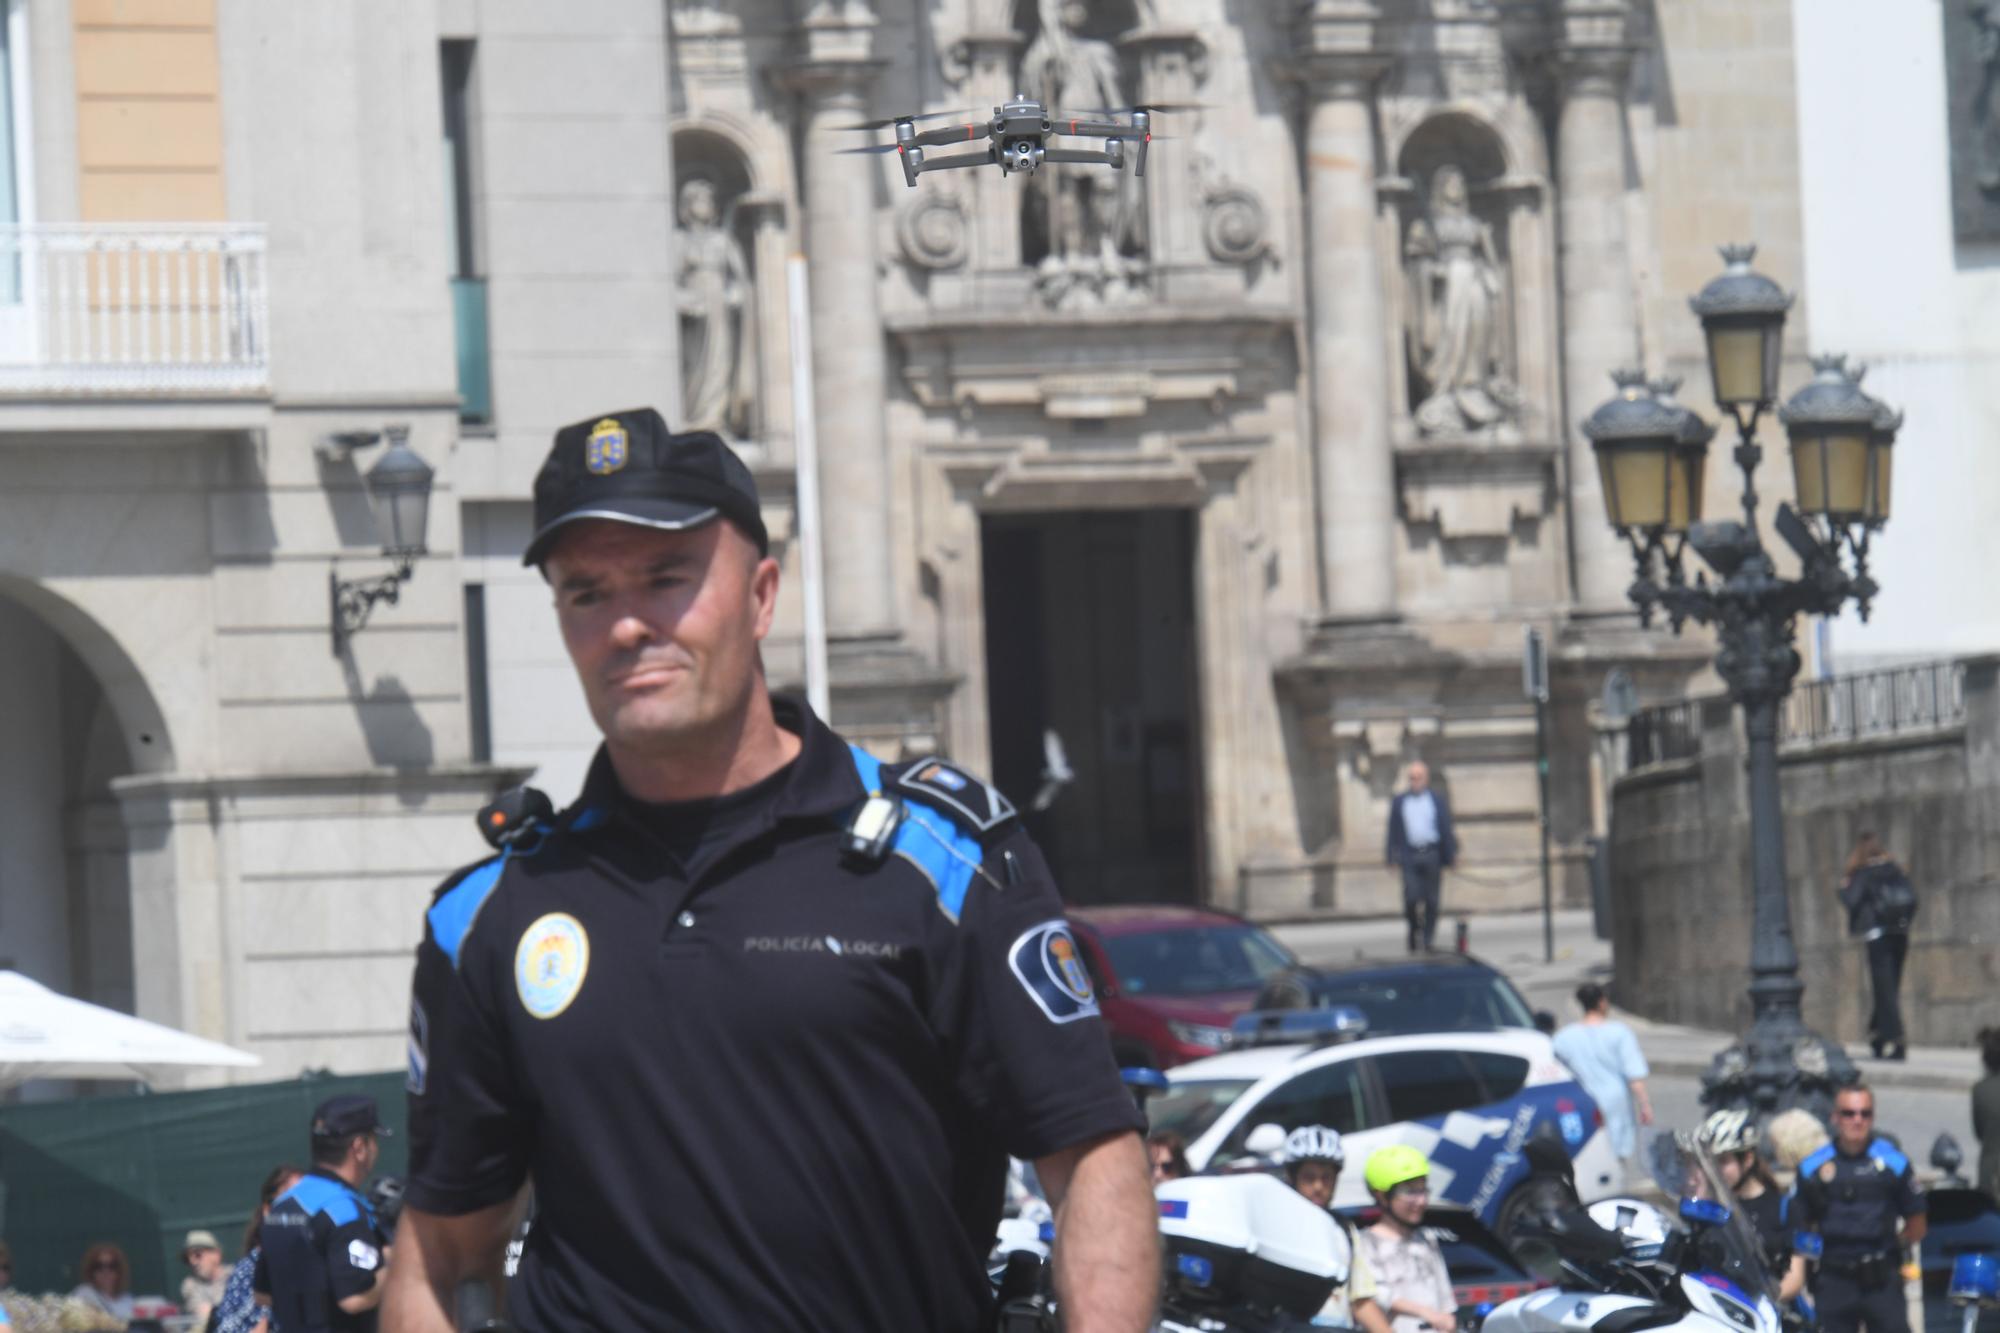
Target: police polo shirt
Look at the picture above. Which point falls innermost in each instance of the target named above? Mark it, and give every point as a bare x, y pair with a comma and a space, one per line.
1853, 1201
320, 1244
780, 1095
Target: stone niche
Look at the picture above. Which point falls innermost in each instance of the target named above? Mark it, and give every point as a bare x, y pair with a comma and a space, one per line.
1471, 302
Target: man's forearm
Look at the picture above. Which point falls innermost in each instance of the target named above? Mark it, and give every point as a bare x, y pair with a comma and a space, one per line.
433, 1256
1107, 1253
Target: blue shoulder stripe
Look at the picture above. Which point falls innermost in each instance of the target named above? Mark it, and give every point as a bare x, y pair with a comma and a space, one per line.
1884, 1151
928, 840
1816, 1160
452, 914
316, 1194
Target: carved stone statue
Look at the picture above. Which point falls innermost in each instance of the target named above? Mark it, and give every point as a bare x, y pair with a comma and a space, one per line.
1986, 102
1092, 212
1457, 340
713, 284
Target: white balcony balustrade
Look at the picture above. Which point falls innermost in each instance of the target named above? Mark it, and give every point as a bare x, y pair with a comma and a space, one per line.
111, 310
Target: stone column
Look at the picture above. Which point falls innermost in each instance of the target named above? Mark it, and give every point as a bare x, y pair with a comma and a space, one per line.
849, 357
1349, 352
1600, 318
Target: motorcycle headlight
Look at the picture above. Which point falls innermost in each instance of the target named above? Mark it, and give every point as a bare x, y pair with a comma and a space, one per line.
1199, 1034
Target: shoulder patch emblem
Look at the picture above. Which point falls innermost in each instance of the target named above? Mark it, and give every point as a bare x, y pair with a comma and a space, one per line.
550, 963
1046, 962
420, 1049
363, 1255
956, 793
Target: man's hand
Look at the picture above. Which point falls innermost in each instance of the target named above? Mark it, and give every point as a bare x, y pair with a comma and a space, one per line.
1107, 1252
436, 1254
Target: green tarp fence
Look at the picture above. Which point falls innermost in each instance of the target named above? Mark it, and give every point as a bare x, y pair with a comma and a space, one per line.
139, 1171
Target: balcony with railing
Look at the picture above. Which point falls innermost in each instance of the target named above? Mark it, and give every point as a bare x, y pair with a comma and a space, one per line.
140, 310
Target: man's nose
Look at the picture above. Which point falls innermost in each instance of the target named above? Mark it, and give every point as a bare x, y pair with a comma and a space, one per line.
631, 630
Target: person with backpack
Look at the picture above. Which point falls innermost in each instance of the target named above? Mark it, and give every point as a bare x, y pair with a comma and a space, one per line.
1881, 903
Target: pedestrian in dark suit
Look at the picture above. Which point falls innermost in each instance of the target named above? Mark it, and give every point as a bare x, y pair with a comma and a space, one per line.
1422, 844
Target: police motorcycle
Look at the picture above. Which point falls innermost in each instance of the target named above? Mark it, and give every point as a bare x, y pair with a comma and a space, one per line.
1623, 1266
1963, 1240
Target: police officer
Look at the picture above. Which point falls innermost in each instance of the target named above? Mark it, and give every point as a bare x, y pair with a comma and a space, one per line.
324, 1256
1852, 1195
760, 1017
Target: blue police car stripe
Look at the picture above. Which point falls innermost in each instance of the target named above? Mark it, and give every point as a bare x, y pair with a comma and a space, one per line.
1816, 1160
929, 840
317, 1194
452, 914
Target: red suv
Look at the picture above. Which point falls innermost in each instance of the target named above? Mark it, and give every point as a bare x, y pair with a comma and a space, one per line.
1170, 979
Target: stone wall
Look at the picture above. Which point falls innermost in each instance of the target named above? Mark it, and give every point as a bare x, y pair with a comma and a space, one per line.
1681, 902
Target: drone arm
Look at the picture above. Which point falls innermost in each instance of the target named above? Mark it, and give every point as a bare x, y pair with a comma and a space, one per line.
1096, 129
1100, 156
950, 134
920, 165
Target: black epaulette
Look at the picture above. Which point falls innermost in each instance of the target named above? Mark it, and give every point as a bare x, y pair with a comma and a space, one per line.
513, 815
976, 806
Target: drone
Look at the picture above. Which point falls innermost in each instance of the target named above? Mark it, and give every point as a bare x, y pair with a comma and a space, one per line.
1017, 138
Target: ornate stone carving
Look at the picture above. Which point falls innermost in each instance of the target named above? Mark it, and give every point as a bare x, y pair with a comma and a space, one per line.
1234, 224
1093, 217
703, 18
712, 282
1456, 316
933, 231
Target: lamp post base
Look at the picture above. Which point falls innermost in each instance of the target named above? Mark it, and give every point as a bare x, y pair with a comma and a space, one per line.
1778, 1065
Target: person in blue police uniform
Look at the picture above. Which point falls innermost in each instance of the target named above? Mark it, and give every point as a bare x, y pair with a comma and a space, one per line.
324, 1255
760, 1017
1859, 1196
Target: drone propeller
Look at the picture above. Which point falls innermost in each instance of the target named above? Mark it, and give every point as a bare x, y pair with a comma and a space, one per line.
928, 115
1169, 107
872, 148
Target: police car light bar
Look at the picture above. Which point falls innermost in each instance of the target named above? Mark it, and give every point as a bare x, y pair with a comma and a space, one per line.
1293, 1027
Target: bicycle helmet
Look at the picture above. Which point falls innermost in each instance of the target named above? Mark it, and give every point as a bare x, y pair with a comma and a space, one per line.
1314, 1143
1392, 1166
1728, 1132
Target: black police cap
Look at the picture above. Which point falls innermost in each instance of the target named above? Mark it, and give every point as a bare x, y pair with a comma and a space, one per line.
345, 1114
629, 468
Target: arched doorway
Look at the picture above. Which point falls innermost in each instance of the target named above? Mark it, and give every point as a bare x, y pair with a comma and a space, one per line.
74, 716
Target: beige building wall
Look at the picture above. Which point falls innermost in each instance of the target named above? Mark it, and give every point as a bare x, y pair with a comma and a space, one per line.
148, 111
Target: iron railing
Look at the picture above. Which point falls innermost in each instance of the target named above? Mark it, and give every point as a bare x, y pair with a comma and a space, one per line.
118, 308
1663, 732
1874, 703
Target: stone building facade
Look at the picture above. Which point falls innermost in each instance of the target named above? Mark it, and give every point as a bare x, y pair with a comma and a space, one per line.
1234, 485
1226, 489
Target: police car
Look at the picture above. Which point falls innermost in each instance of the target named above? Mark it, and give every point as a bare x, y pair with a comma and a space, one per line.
1467, 1100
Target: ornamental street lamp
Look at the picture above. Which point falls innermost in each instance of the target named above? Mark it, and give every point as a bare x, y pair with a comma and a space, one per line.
1651, 453
399, 496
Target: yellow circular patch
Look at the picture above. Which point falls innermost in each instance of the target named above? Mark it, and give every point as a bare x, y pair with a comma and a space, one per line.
550, 963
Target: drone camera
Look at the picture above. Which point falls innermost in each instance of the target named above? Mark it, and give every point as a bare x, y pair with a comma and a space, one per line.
1023, 155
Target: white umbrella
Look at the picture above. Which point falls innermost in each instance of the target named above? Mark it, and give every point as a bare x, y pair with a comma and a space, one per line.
46, 1035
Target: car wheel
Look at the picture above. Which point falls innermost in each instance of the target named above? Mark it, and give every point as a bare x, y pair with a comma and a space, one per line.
1286, 990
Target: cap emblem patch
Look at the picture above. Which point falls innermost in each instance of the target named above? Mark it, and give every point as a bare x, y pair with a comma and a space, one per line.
607, 449
550, 963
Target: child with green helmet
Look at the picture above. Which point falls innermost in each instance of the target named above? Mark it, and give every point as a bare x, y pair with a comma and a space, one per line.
1412, 1283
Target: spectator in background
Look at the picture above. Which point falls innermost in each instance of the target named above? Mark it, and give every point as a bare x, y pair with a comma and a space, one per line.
238, 1311
1167, 1152
1605, 1057
1794, 1135
201, 1289
107, 1281
1881, 905
6, 1267
1986, 1113
1423, 845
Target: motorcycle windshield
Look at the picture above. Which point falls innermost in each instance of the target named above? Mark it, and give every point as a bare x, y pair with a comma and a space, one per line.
1685, 1170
